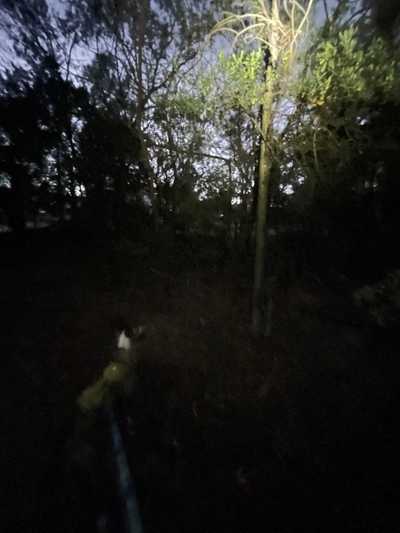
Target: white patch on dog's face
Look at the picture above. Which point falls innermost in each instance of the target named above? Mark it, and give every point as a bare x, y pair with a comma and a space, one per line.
124, 342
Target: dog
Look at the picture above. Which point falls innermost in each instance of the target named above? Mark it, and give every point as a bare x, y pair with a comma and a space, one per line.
126, 337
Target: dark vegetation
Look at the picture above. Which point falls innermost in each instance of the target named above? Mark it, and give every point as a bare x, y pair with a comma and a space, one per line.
222, 431
114, 203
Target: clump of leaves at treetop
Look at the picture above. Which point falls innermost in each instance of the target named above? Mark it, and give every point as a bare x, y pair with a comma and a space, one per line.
236, 79
344, 80
344, 70
233, 81
244, 84
382, 300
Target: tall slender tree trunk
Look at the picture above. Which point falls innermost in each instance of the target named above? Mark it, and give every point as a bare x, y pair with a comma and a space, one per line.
264, 171
262, 303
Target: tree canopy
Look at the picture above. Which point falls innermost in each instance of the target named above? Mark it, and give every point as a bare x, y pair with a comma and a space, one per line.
109, 109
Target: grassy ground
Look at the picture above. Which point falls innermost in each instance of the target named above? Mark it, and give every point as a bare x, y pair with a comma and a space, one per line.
223, 433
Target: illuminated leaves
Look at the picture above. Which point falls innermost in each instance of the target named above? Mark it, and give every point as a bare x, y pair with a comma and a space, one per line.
243, 78
344, 71
345, 78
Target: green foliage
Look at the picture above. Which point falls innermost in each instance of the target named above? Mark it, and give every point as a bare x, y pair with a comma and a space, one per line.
235, 81
244, 85
345, 71
179, 106
344, 79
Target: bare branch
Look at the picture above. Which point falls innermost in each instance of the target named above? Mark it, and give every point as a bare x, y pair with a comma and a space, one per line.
326, 11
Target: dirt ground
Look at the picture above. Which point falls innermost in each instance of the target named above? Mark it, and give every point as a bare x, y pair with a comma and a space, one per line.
223, 433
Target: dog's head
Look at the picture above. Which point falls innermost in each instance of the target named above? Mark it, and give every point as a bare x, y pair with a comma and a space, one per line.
126, 335
124, 340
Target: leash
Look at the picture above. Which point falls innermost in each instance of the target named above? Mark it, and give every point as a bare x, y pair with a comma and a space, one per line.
126, 488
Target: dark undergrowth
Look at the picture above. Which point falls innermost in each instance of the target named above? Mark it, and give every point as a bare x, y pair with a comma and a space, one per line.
223, 432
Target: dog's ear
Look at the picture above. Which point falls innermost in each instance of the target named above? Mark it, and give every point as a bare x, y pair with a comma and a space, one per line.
139, 332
